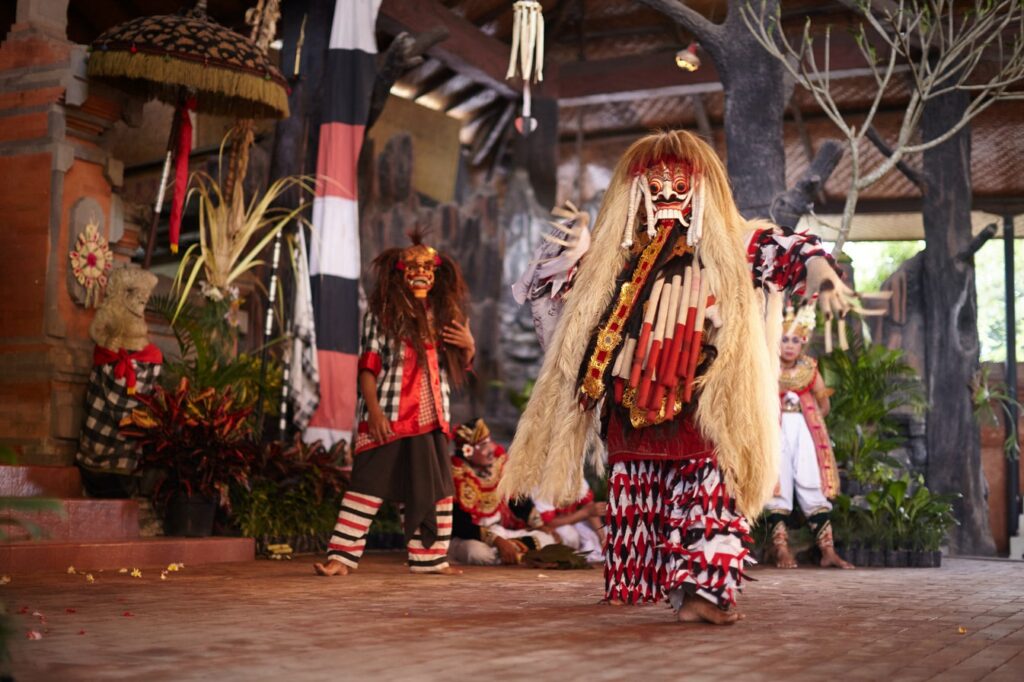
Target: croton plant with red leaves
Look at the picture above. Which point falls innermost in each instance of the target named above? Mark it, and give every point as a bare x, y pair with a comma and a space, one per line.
202, 439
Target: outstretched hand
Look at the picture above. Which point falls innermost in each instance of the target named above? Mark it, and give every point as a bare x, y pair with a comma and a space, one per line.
834, 297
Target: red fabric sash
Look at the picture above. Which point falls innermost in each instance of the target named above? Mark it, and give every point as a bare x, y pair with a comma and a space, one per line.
122, 361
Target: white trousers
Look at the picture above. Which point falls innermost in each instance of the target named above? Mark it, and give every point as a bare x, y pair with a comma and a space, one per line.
582, 538
798, 470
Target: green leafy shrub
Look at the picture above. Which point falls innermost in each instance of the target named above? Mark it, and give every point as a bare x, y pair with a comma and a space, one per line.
294, 490
870, 385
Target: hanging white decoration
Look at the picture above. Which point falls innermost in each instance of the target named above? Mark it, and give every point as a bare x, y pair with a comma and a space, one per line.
527, 56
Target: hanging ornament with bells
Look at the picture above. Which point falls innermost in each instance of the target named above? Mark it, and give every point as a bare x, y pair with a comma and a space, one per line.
527, 55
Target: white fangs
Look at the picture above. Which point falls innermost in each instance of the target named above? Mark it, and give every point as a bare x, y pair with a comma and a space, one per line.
670, 213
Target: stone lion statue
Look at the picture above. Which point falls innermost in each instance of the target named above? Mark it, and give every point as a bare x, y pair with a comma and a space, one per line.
120, 321
125, 364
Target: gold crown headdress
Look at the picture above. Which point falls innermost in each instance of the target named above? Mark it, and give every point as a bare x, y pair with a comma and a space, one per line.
800, 322
472, 433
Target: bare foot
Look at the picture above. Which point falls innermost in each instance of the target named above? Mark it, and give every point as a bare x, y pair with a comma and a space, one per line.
330, 568
830, 558
783, 557
613, 602
447, 570
698, 610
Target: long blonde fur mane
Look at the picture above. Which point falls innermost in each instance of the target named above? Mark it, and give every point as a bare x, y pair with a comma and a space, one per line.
738, 406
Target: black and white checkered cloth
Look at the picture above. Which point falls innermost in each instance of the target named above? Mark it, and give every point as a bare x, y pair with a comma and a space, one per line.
389, 381
101, 447
304, 368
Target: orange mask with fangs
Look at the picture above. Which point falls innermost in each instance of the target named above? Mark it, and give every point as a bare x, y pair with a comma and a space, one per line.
418, 263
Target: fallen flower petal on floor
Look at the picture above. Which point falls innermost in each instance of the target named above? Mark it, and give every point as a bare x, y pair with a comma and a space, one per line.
71, 570
33, 634
128, 614
962, 630
163, 575
5, 579
122, 570
70, 610
23, 610
89, 578
136, 573
81, 632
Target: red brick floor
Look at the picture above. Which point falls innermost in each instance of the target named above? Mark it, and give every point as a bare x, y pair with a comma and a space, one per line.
276, 621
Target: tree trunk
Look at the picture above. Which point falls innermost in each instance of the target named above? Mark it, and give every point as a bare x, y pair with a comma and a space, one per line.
755, 101
951, 339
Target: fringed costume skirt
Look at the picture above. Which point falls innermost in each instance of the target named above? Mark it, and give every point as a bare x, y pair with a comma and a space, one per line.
673, 530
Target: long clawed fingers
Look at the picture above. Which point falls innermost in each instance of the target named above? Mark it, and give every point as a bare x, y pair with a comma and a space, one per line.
555, 240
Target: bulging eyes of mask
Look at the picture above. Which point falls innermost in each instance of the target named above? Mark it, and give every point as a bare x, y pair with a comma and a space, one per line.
419, 264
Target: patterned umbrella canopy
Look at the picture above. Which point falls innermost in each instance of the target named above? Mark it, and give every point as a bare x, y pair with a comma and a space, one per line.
158, 56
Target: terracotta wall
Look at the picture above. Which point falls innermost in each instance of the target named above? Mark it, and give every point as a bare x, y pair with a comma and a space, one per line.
51, 156
995, 466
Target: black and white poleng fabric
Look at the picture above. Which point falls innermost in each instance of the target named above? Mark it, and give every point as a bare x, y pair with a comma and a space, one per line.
304, 368
334, 256
101, 447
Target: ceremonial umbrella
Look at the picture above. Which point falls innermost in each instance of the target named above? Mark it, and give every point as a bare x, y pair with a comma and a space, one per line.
191, 62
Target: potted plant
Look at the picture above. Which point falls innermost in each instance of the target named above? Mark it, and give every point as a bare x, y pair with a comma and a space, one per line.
200, 441
930, 516
292, 497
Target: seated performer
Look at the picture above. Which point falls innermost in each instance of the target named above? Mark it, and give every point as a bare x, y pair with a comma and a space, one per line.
578, 525
807, 468
663, 329
415, 337
486, 530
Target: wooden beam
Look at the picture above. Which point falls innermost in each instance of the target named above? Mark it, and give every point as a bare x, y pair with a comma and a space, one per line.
432, 82
629, 78
655, 74
462, 96
467, 50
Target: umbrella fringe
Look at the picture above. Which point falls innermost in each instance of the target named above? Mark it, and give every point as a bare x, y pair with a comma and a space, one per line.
175, 72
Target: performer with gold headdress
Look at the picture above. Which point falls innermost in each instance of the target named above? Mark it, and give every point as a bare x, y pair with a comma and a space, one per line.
486, 529
415, 340
807, 466
664, 330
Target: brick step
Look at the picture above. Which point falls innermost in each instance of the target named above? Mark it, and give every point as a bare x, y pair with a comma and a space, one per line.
83, 520
35, 557
39, 481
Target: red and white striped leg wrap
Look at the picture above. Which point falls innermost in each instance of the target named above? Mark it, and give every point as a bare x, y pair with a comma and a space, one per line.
434, 558
349, 538
634, 567
704, 534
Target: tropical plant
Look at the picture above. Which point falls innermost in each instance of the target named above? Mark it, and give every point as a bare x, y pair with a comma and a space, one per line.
201, 439
903, 514
871, 384
293, 490
990, 400
208, 359
233, 234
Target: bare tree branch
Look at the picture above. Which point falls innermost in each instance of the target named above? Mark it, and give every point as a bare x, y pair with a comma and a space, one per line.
709, 34
908, 172
943, 45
